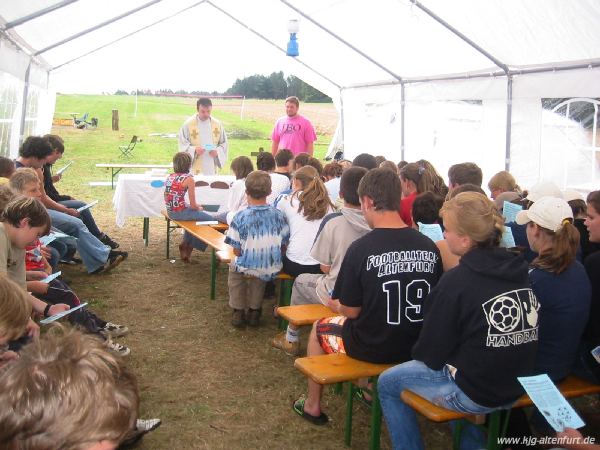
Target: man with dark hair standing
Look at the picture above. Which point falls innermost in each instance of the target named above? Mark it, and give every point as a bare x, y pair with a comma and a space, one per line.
204, 138
293, 131
464, 173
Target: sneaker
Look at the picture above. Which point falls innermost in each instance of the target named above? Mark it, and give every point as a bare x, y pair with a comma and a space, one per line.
114, 259
113, 330
147, 424
237, 318
73, 261
253, 317
118, 348
106, 240
290, 348
142, 427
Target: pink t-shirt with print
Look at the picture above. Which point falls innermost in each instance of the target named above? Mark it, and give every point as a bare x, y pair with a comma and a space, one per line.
293, 133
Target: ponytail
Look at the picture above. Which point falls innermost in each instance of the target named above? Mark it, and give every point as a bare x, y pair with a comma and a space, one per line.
314, 199
561, 255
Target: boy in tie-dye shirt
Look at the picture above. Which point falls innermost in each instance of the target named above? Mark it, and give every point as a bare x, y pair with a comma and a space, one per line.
258, 236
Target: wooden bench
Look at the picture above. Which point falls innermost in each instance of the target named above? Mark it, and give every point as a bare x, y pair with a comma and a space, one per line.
115, 168
185, 224
302, 315
287, 281
340, 368
571, 387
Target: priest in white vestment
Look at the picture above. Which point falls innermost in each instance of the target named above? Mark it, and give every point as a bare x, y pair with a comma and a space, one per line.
203, 137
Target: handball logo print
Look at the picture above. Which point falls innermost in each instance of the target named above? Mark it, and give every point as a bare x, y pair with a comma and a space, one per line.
512, 318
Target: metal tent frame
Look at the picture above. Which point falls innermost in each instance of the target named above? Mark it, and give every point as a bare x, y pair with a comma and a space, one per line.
7, 30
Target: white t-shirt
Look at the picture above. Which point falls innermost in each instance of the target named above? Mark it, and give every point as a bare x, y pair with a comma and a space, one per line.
237, 199
302, 231
333, 188
279, 183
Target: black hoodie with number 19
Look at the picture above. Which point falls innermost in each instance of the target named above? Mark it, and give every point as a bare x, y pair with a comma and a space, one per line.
482, 319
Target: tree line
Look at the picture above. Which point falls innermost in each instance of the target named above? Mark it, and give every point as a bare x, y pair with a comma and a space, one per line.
274, 86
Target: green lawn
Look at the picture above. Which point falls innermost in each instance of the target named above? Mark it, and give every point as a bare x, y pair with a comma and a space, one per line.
154, 115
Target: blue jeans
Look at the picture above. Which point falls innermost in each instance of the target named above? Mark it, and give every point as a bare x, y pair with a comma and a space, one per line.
85, 216
93, 252
191, 214
438, 387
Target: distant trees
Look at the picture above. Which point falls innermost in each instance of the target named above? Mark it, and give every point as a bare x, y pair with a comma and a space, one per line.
274, 86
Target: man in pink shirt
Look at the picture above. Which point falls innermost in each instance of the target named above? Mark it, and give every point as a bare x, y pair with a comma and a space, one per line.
293, 131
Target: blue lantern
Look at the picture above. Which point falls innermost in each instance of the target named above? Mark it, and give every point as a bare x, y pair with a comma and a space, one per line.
292, 47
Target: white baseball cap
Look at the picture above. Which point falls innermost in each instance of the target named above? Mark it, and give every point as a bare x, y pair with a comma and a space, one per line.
543, 189
572, 194
547, 212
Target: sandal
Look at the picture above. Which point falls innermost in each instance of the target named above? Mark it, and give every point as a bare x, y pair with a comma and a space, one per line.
298, 407
360, 396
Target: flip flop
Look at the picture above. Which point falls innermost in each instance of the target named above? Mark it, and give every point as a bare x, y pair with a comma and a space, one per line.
360, 396
298, 407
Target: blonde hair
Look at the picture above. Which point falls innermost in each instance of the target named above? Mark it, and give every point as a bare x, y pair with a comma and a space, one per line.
505, 181
15, 309
476, 217
6, 195
22, 177
314, 199
66, 390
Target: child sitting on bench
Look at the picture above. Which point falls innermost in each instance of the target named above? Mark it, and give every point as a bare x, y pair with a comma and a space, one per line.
338, 231
257, 235
176, 186
380, 290
480, 329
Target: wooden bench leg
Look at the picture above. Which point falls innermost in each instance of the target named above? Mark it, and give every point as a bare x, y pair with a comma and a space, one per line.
168, 238
493, 430
285, 299
349, 406
375, 418
213, 273
146, 230
494, 427
375, 437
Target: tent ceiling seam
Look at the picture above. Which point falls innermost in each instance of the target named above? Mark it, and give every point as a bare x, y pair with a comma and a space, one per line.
96, 27
128, 35
36, 14
235, 19
343, 41
461, 36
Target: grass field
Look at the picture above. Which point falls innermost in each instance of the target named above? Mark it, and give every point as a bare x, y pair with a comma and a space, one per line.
214, 387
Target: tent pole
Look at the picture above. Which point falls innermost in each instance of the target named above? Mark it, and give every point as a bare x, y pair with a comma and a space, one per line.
96, 27
235, 19
402, 110
454, 31
128, 34
343, 41
342, 120
35, 15
509, 101
24, 104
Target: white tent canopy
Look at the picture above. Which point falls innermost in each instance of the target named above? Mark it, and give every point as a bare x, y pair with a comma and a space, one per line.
448, 81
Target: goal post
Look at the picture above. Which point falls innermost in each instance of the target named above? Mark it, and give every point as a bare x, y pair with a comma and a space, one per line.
227, 102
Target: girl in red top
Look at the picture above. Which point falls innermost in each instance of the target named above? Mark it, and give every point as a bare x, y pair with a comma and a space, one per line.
177, 185
416, 178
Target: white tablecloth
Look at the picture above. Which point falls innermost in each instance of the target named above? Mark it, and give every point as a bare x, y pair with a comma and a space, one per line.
135, 197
